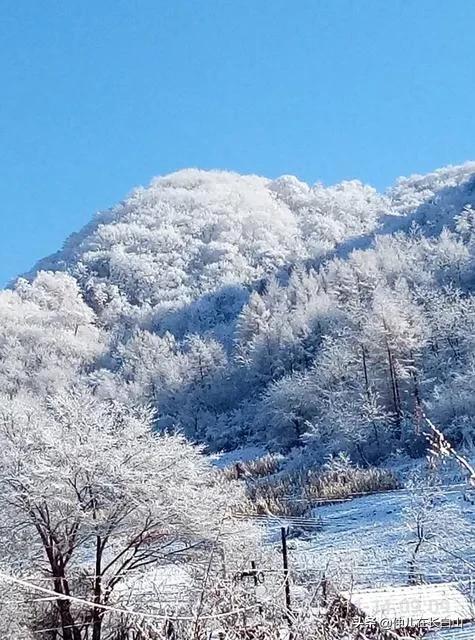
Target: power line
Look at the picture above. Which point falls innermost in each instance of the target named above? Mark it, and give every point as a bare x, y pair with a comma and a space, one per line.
153, 616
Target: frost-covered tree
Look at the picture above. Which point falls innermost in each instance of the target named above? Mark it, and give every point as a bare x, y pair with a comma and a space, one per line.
91, 498
48, 334
436, 525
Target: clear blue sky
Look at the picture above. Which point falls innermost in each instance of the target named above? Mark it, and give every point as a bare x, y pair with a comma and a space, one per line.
99, 96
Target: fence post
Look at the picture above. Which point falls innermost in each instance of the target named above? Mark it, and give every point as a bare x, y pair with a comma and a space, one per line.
285, 559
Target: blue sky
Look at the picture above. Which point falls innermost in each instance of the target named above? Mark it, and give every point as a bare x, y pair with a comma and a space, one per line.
96, 97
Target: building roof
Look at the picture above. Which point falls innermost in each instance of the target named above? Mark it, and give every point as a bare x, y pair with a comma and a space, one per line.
465, 632
442, 602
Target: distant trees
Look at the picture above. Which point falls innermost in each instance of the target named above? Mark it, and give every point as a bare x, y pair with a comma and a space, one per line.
267, 310
48, 335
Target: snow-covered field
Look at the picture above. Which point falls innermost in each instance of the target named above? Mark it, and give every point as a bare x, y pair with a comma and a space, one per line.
368, 541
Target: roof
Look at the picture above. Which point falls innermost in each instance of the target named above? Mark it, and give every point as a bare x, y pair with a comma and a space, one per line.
441, 602
465, 632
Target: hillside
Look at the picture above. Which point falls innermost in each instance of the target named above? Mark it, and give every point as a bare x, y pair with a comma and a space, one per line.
248, 310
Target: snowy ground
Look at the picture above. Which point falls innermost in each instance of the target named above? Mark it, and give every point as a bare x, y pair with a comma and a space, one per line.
244, 454
367, 541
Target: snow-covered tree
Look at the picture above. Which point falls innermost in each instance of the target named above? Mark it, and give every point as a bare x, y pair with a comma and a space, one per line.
91, 498
48, 334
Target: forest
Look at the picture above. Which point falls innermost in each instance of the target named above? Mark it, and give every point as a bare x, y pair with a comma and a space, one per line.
211, 312
245, 310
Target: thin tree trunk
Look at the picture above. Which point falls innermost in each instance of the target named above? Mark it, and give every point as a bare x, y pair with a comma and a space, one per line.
413, 579
365, 371
395, 389
368, 394
97, 612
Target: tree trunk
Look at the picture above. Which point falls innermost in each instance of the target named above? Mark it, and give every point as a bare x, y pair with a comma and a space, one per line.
395, 391
69, 626
368, 395
97, 612
413, 578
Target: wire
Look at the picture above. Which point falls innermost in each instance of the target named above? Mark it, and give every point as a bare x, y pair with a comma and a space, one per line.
104, 607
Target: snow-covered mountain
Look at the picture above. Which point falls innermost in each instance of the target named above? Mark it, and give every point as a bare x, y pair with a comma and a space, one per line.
252, 310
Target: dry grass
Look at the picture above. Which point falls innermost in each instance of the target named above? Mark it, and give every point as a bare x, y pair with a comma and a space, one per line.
259, 468
280, 496
294, 494
338, 485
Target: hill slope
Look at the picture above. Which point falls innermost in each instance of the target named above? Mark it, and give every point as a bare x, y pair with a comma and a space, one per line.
269, 311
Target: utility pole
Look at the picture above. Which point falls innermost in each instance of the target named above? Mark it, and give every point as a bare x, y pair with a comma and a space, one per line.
285, 560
